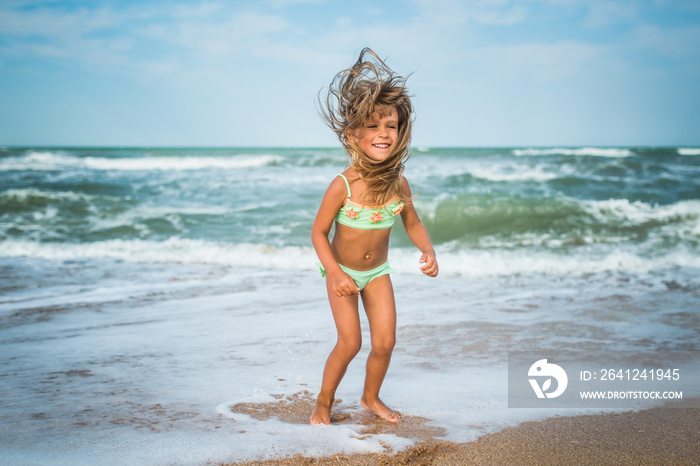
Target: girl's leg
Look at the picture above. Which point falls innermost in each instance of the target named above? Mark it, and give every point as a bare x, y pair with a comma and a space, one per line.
379, 304
347, 323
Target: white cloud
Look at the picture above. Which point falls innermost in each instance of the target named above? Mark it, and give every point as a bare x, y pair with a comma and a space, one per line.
46, 22
291, 3
611, 12
204, 9
539, 62
141, 42
486, 12
455, 12
681, 43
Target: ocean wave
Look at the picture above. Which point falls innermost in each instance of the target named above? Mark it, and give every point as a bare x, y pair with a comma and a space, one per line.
530, 240
688, 151
584, 151
641, 213
512, 173
39, 161
173, 250
491, 263
474, 218
470, 262
182, 163
32, 195
145, 220
71, 216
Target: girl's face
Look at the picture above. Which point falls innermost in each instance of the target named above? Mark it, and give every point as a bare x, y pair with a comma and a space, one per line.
379, 134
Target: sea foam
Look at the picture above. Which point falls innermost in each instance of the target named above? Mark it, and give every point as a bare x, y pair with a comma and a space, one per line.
63, 161
496, 261
640, 213
173, 250
24, 195
584, 151
512, 173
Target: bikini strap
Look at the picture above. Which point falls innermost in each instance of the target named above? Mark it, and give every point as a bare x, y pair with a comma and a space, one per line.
346, 184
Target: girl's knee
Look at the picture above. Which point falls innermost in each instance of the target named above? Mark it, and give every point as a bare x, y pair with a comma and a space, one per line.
385, 346
349, 347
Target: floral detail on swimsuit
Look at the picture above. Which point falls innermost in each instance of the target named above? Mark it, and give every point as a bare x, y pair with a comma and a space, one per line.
397, 210
358, 216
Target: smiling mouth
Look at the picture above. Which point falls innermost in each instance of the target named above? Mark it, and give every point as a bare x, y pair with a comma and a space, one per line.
381, 146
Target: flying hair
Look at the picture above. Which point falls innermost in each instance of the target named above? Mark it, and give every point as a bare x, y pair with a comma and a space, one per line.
353, 96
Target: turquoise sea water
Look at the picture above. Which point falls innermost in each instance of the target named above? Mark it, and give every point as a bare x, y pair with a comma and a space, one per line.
144, 292
595, 208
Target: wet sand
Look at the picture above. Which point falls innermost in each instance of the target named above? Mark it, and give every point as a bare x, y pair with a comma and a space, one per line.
654, 436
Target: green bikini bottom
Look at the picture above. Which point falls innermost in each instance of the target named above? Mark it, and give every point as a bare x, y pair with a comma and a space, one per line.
362, 277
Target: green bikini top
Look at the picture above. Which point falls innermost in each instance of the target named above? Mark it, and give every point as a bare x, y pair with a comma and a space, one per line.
355, 215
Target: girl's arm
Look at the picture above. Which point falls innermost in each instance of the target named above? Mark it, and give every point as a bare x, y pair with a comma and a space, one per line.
418, 234
340, 282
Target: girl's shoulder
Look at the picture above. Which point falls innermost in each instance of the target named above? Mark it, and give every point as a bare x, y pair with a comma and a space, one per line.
338, 186
351, 174
356, 185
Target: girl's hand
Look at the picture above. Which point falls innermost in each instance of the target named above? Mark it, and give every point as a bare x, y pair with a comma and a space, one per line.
430, 265
343, 285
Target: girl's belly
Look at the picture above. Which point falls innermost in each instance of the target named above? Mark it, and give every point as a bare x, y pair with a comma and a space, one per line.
360, 249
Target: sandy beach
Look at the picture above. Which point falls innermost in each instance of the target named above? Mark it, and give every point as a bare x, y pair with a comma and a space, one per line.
653, 436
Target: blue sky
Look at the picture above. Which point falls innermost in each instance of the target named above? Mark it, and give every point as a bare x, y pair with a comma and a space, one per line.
246, 73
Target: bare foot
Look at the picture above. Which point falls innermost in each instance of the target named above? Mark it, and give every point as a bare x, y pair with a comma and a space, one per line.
322, 412
380, 409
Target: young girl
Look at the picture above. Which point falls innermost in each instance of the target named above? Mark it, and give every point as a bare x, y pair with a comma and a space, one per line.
369, 109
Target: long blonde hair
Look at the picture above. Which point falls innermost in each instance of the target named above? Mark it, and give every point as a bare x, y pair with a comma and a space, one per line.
352, 97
